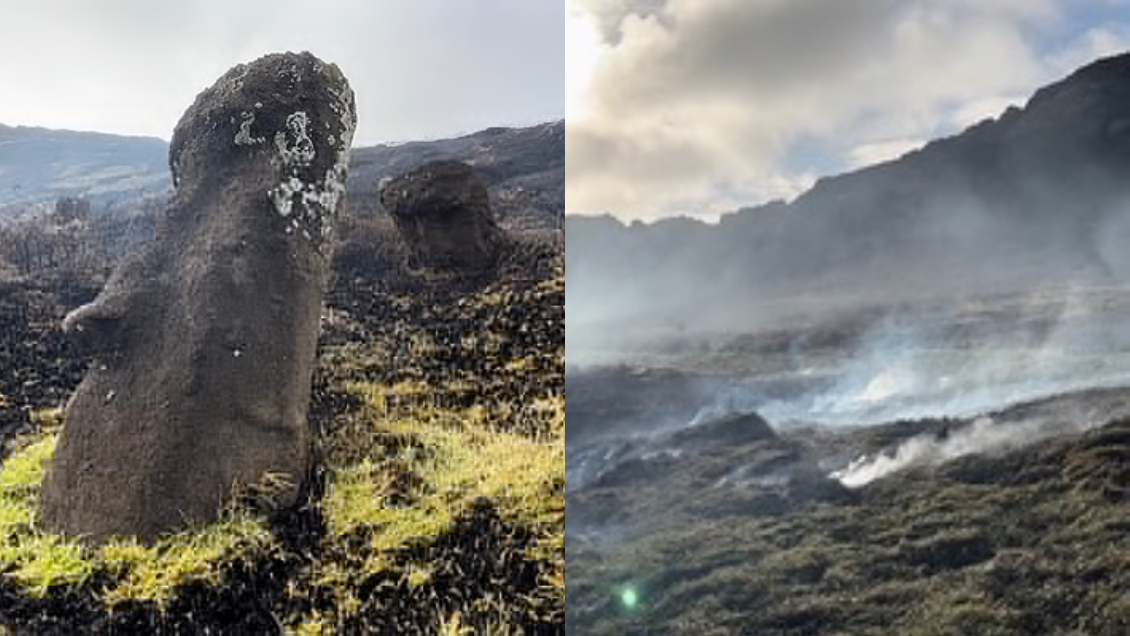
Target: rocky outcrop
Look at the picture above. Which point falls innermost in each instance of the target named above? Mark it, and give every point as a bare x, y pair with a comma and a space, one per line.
204, 343
443, 211
731, 429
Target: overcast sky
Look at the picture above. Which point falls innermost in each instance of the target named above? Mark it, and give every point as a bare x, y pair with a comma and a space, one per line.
421, 69
701, 106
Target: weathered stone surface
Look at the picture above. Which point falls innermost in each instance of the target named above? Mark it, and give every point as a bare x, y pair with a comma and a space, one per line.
443, 211
205, 340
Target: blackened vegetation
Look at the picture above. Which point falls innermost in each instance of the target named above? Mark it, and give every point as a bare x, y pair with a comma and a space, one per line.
1026, 541
451, 323
39, 367
473, 328
251, 596
476, 329
479, 551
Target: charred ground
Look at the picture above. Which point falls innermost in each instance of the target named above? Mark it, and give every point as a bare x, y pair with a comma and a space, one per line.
443, 361
691, 513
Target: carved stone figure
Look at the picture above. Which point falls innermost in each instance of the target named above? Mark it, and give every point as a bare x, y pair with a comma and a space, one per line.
204, 342
443, 211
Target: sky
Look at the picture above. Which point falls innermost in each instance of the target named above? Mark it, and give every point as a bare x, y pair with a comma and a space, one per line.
700, 107
420, 69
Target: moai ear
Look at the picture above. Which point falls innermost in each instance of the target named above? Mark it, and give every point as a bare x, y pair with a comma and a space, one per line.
95, 327
100, 327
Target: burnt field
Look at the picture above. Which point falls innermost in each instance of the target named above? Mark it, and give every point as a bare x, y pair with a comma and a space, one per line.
436, 504
925, 469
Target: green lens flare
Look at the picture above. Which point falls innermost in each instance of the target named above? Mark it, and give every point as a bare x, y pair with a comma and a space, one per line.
629, 597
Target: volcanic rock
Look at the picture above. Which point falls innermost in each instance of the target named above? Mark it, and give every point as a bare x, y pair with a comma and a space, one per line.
616, 400
443, 211
728, 430
204, 342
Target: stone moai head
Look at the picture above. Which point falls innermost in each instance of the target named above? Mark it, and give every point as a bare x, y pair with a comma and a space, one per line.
442, 209
204, 342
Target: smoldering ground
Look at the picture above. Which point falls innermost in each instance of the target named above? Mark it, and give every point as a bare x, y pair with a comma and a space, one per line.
852, 400
957, 360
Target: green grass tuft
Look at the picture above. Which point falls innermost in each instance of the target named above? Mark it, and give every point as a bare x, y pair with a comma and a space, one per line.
466, 458
40, 560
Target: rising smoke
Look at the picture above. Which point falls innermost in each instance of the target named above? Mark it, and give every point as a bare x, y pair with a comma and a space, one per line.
967, 362
957, 365
982, 436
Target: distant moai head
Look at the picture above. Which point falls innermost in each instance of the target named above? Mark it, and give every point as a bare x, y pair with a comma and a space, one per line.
204, 342
443, 211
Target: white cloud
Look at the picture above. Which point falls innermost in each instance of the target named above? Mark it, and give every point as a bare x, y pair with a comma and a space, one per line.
583, 49
420, 69
690, 97
875, 152
1094, 43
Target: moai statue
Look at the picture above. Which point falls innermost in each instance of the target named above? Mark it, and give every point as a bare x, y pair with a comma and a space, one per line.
204, 343
443, 211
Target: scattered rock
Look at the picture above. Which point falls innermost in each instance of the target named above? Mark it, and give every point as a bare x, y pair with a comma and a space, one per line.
722, 432
40, 368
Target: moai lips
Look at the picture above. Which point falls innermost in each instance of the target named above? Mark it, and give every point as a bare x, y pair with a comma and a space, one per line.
204, 343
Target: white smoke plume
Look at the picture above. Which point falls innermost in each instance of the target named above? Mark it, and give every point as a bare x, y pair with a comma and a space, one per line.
983, 436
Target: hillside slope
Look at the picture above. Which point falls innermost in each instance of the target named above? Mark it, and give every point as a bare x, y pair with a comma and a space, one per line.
38, 165
524, 169
1037, 196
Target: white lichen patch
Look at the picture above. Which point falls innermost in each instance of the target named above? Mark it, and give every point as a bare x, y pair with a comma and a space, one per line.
333, 187
294, 144
315, 199
283, 194
243, 137
310, 207
310, 204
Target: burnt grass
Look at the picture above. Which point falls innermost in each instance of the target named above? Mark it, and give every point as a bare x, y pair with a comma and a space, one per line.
480, 560
1028, 541
39, 367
